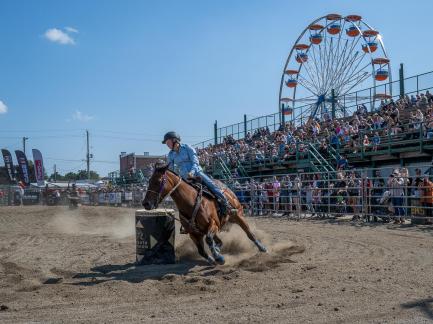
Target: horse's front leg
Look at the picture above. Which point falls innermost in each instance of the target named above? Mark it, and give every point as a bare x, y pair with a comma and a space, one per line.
218, 242
198, 241
214, 249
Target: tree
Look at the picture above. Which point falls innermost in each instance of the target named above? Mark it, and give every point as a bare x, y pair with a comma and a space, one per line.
74, 176
82, 175
56, 176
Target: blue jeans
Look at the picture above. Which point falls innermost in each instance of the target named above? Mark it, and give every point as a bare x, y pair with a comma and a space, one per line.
397, 202
211, 185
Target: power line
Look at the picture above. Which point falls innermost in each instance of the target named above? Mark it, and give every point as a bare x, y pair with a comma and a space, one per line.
144, 134
110, 162
42, 137
64, 160
128, 138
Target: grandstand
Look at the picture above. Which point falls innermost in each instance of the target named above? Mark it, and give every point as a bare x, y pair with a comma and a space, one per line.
398, 132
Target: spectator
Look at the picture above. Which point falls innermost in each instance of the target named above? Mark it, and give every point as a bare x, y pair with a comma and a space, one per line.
396, 185
375, 141
286, 201
276, 188
342, 163
427, 198
416, 185
296, 194
378, 189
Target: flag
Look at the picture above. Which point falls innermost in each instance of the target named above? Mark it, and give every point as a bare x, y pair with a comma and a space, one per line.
7, 157
23, 167
39, 167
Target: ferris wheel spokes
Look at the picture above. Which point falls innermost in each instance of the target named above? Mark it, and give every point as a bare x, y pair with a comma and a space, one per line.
345, 62
347, 69
357, 79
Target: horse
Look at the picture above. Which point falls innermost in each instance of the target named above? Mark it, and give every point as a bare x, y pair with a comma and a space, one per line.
198, 213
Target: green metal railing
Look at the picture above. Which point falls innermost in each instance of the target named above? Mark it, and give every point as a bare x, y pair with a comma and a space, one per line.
318, 162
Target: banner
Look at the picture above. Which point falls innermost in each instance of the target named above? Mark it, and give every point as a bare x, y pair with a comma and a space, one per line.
31, 197
7, 157
39, 167
23, 167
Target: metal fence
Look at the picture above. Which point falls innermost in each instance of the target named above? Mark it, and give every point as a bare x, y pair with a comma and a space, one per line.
411, 85
13, 196
366, 194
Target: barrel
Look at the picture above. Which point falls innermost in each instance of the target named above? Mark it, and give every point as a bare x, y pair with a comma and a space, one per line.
154, 233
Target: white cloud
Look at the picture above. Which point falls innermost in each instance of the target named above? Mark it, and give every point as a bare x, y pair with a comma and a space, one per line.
79, 116
58, 36
71, 29
3, 108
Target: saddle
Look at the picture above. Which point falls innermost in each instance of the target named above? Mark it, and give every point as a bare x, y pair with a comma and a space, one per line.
197, 184
202, 190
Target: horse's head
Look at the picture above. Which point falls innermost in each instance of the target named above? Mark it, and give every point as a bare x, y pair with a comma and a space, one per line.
156, 190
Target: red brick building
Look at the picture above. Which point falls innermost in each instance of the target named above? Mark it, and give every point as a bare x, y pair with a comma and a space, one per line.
143, 162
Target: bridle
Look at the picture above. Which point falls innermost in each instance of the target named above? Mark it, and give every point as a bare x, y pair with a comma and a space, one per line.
161, 188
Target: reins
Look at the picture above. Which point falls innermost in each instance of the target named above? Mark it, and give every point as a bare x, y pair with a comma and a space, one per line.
161, 188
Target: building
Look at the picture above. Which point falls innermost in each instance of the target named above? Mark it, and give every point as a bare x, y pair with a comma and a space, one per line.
133, 162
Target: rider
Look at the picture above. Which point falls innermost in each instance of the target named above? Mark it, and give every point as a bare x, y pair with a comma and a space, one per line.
186, 159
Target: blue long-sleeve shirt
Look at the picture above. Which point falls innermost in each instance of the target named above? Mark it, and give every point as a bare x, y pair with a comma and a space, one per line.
186, 160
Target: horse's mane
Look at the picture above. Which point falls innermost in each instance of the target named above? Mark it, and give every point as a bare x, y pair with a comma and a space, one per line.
175, 173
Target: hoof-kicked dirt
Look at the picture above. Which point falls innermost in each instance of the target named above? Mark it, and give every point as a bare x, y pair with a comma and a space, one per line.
58, 265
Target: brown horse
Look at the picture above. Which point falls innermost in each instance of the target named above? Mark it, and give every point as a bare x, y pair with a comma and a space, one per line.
206, 223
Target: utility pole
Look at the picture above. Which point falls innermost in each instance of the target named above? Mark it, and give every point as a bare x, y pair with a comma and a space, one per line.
24, 144
88, 155
55, 173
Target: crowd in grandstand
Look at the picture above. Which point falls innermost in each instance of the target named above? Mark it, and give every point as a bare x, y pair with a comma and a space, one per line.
410, 116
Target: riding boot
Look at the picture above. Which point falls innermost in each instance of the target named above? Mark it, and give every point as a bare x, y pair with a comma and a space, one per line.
225, 207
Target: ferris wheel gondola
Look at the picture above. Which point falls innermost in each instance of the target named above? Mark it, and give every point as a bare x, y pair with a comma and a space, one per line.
332, 58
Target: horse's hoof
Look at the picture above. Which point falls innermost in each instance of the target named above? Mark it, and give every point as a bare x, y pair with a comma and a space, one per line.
220, 259
218, 248
261, 247
211, 261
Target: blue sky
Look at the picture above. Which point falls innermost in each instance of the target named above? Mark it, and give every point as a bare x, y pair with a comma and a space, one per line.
128, 71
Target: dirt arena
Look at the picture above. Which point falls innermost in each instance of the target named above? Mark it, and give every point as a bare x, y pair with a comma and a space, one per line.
63, 266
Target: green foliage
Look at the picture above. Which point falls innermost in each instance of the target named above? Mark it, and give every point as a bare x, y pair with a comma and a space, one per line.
73, 176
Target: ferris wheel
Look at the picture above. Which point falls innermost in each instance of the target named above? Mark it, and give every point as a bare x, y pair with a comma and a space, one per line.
333, 58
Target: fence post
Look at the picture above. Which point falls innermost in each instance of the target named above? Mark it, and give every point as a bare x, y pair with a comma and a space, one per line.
329, 196
401, 73
9, 196
333, 103
389, 141
215, 129
299, 203
421, 140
